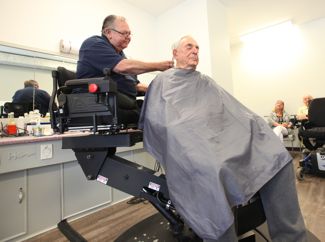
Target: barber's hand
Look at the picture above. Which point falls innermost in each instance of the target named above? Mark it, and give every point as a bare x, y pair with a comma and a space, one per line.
164, 65
141, 87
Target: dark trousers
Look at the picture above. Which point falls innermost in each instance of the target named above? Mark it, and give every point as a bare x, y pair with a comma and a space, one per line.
282, 211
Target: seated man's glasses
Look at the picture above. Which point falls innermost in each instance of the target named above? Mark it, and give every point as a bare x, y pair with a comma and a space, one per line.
125, 34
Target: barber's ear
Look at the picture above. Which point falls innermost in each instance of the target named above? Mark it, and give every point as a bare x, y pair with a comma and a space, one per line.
105, 31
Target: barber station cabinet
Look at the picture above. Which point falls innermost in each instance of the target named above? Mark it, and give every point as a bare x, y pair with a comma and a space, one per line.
96, 109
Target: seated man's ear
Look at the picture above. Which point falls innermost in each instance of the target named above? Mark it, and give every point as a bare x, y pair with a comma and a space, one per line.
174, 54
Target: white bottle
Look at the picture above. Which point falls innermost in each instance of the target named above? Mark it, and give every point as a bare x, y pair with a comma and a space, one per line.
46, 119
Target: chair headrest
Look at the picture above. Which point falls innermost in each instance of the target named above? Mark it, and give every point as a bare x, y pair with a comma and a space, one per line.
316, 112
65, 75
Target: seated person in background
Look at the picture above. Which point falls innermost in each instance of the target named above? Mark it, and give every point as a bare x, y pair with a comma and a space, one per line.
106, 51
302, 113
216, 153
279, 120
31, 94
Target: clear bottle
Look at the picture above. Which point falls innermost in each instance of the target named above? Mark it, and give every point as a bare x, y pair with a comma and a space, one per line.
37, 121
32, 121
21, 125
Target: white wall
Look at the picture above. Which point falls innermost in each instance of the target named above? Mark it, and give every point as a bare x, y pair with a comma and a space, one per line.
302, 73
42, 23
219, 44
187, 18
206, 21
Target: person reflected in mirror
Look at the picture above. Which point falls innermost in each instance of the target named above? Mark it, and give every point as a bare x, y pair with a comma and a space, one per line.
279, 120
34, 96
302, 113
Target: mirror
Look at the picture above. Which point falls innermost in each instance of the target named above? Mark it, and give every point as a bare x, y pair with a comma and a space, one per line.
18, 65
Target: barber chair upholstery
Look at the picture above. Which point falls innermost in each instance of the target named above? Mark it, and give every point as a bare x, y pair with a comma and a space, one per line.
312, 134
90, 104
63, 75
96, 152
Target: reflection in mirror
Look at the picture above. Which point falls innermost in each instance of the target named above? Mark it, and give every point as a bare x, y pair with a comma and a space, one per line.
18, 65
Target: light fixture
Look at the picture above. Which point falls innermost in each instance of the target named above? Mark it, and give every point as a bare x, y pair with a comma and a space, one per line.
270, 33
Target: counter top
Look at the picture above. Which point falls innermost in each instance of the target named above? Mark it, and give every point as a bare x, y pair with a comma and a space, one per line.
28, 152
34, 139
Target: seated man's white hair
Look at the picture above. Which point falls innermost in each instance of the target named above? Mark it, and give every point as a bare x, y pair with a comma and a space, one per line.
178, 42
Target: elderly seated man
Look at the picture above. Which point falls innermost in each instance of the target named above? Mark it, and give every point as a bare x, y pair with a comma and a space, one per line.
302, 113
216, 153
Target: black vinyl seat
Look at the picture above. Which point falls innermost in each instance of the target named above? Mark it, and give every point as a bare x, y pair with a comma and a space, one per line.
312, 135
63, 75
312, 132
79, 107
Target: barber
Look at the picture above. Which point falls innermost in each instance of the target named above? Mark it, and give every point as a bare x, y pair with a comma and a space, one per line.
106, 51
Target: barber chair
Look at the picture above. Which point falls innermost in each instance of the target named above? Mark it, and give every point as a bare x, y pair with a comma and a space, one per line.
90, 104
96, 155
312, 134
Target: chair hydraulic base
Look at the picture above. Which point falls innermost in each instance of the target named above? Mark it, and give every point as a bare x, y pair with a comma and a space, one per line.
97, 158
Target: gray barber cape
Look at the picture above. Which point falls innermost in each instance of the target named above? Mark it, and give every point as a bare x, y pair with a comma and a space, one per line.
216, 153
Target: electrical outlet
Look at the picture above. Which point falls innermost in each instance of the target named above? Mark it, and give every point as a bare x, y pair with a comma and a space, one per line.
46, 151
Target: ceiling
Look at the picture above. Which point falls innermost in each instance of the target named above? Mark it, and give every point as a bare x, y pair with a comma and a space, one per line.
245, 16
154, 7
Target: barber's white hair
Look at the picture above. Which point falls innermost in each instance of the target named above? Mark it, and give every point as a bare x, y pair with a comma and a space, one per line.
178, 42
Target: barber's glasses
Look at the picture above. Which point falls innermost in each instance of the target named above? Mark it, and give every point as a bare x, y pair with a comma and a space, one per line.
125, 34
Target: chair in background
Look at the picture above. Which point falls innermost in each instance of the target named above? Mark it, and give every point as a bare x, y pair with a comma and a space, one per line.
312, 134
19, 109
